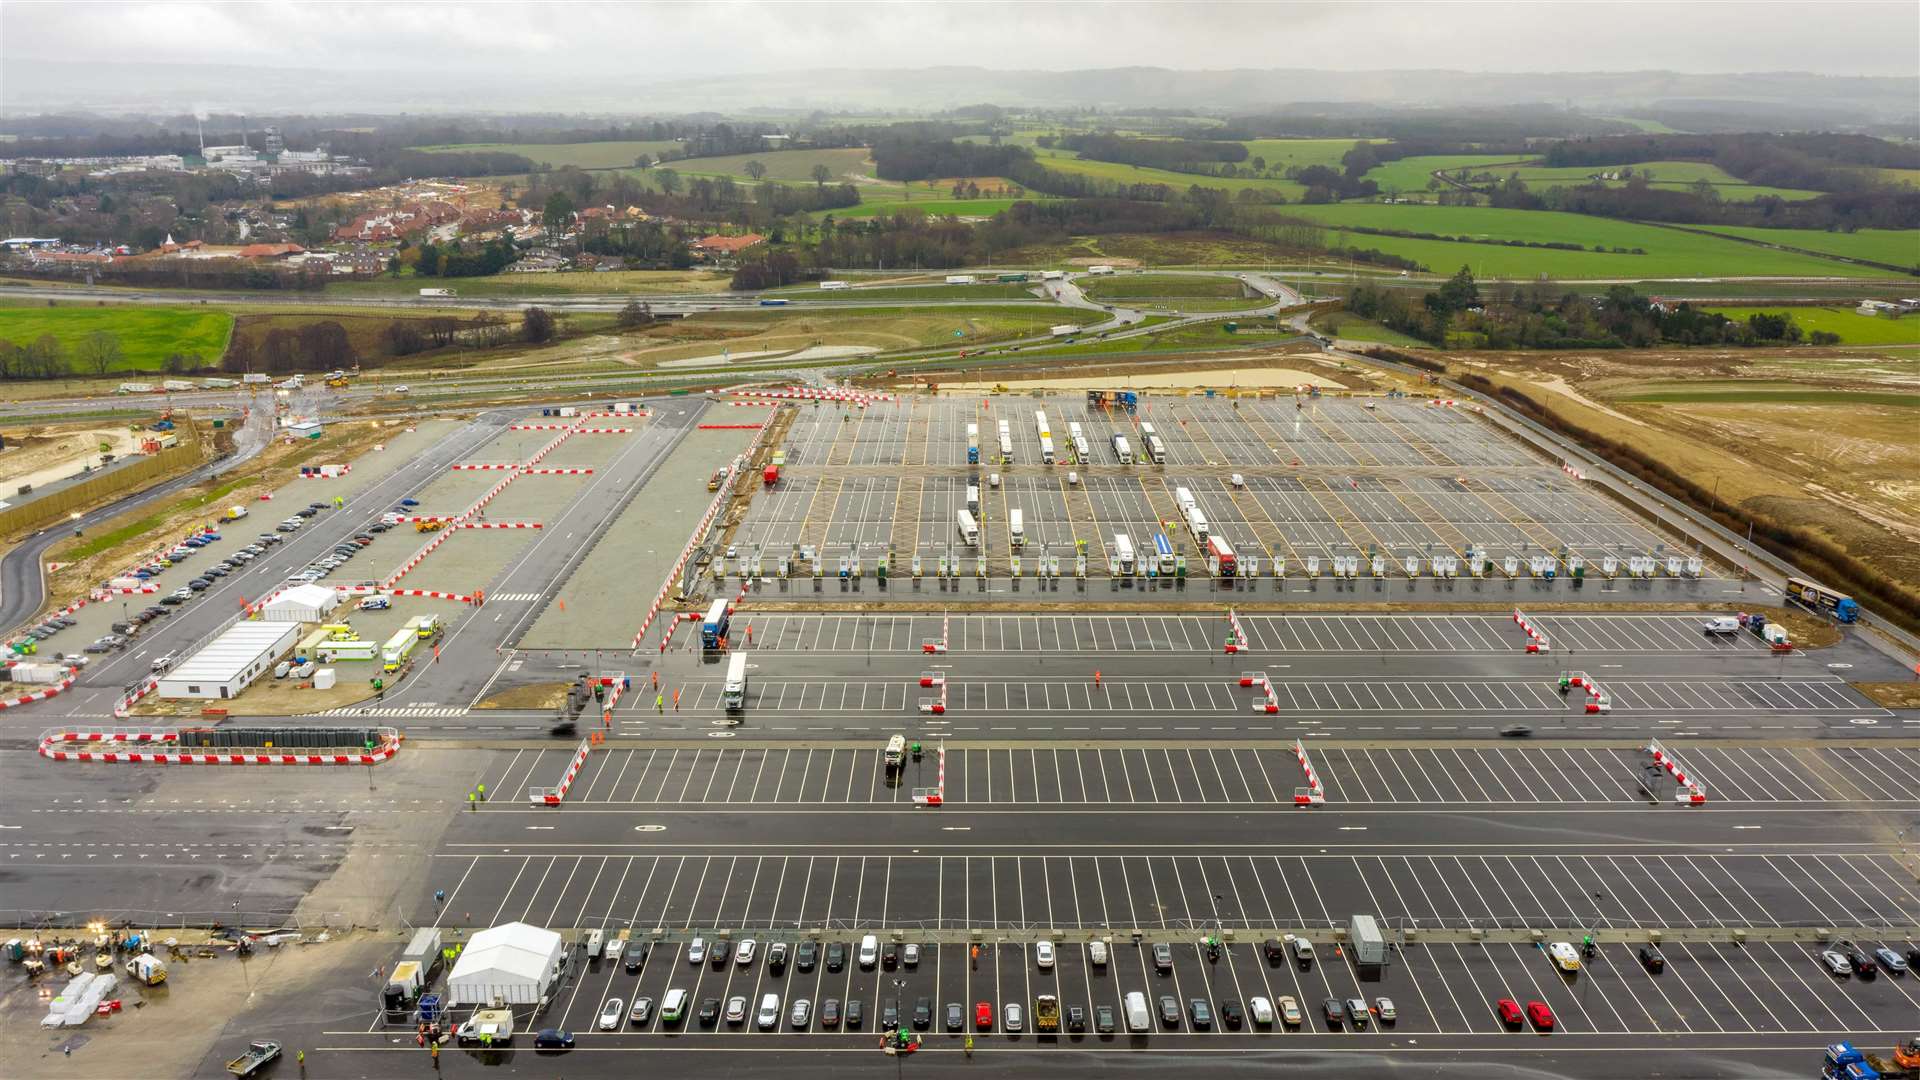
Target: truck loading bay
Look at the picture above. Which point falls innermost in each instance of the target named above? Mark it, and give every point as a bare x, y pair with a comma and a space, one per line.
1189, 767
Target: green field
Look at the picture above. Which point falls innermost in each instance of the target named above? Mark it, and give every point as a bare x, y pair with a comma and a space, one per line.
1669, 252
1282, 153
1061, 161
642, 282
885, 207
591, 155
1783, 394
785, 165
148, 335
1853, 327
1671, 175
886, 294
1163, 286
1898, 247
1352, 327
1412, 174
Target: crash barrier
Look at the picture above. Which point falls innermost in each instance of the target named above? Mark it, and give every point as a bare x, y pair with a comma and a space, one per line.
324, 472
1237, 639
431, 594
1688, 792
132, 697
936, 795
538, 427
938, 645
1568, 468
617, 684
699, 534
500, 525
726, 427
556, 472
1536, 639
1598, 700
42, 694
488, 467
1258, 680
1313, 794
811, 393
552, 796
223, 746
934, 705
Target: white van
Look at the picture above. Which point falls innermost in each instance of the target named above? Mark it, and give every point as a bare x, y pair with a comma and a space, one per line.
1725, 624
768, 1017
869, 951
1138, 1019
1097, 953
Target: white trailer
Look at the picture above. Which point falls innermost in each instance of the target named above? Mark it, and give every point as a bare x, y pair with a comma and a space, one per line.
1122, 449
1016, 529
1197, 525
1123, 552
969, 528
733, 692
1006, 440
1053, 275
1065, 329
973, 497
1079, 438
961, 279
833, 286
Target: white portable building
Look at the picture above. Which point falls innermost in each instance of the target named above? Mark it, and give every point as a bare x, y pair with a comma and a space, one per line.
302, 603
513, 962
229, 663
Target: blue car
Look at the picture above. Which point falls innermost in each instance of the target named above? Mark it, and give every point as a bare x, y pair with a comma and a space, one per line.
553, 1039
409, 502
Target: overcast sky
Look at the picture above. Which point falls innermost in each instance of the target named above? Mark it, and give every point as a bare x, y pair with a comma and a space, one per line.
645, 41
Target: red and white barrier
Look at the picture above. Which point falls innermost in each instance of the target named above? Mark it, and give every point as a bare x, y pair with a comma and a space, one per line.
558, 472
464, 598
1536, 638
484, 467
1313, 794
500, 525
935, 705
603, 431
319, 472
938, 646
1237, 642
1571, 471
1257, 680
49, 741
42, 694
936, 795
554, 795
1688, 792
538, 427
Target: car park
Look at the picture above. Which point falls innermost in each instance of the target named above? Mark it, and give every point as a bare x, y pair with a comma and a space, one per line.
869, 951
889, 956
922, 1014
1162, 957
1564, 956
830, 1013
1652, 959
955, 1016
1303, 953
1103, 1019
1043, 954
836, 955
777, 957
642, 1010
378, 527
856, 1012
1509, 1012
610, 1014
696, 950
1358, 1012
1863, 965
983, 1016
910, 955
1097, 953
743, 952
375, 603
890, 1015
1261, 1010
1231, 1014
1076, 1018
1335, 1011
708, 1014
1385, 1010
806, 954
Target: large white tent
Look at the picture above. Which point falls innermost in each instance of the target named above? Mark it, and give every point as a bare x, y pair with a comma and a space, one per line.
302, 603
514, 963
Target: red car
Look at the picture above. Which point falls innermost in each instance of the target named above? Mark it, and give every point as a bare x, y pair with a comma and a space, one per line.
1509, 1011
983, 1016
1541, 1016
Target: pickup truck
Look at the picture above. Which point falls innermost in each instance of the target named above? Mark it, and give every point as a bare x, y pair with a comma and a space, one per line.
258, 1055
1046, 1013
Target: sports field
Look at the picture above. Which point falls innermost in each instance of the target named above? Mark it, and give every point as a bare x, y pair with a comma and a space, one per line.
591, 155
1853, 327
148, 335
1668, 252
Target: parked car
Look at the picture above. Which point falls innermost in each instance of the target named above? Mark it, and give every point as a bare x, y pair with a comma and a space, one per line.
1540, 1016
1653, 959
642, 1010
610, 1014
800, 1013
553, 1039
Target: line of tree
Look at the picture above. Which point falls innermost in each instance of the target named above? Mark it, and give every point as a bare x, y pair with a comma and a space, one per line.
1178, 155
904, 158
461, 259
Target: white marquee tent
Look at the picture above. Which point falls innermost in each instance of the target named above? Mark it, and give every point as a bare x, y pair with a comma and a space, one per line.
514, 963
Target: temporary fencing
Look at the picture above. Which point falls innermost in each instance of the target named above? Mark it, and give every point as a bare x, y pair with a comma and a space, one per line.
111, 747
1237, 639
939, 645
1688, 792
499, 525
540, 796
936, 795
934, 705
494, 466
42, 694
1313, 794
1537, 639
1257, 680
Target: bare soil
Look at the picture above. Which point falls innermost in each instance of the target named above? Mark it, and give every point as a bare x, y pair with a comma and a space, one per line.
543, 695
1891, 695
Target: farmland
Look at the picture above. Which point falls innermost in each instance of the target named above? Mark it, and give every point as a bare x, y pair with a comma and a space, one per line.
1898, 247
590, 155
148, 335
1853, 327
1351, 327
643, 282
1675, 175
1285, 153
965, 208
1669, 252
1063, 162
787, 165
933, 291
1412, 174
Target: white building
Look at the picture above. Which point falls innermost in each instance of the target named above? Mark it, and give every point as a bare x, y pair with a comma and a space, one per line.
229, 663
514, 963
302, 603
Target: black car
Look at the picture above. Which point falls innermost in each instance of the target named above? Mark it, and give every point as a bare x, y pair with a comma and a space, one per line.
889, 956
956, 1017
1651, 957
636, 956
1162, 957
1274, 951
1231, 1014
200, 584
1103, 1019
805, 955
830, 1013
306, 512
1335, 1011
1863, 965
777, 957
836, 955
709, 1013
316, 506
1516, 731
856, 1012
1201, 1012
922, 1014
1169, 1011
890, 1015
553, 1039
1076, 1018
379, 528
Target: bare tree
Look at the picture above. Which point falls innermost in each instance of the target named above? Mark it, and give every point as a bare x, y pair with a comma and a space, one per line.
756, 170
100, 351
821, 174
